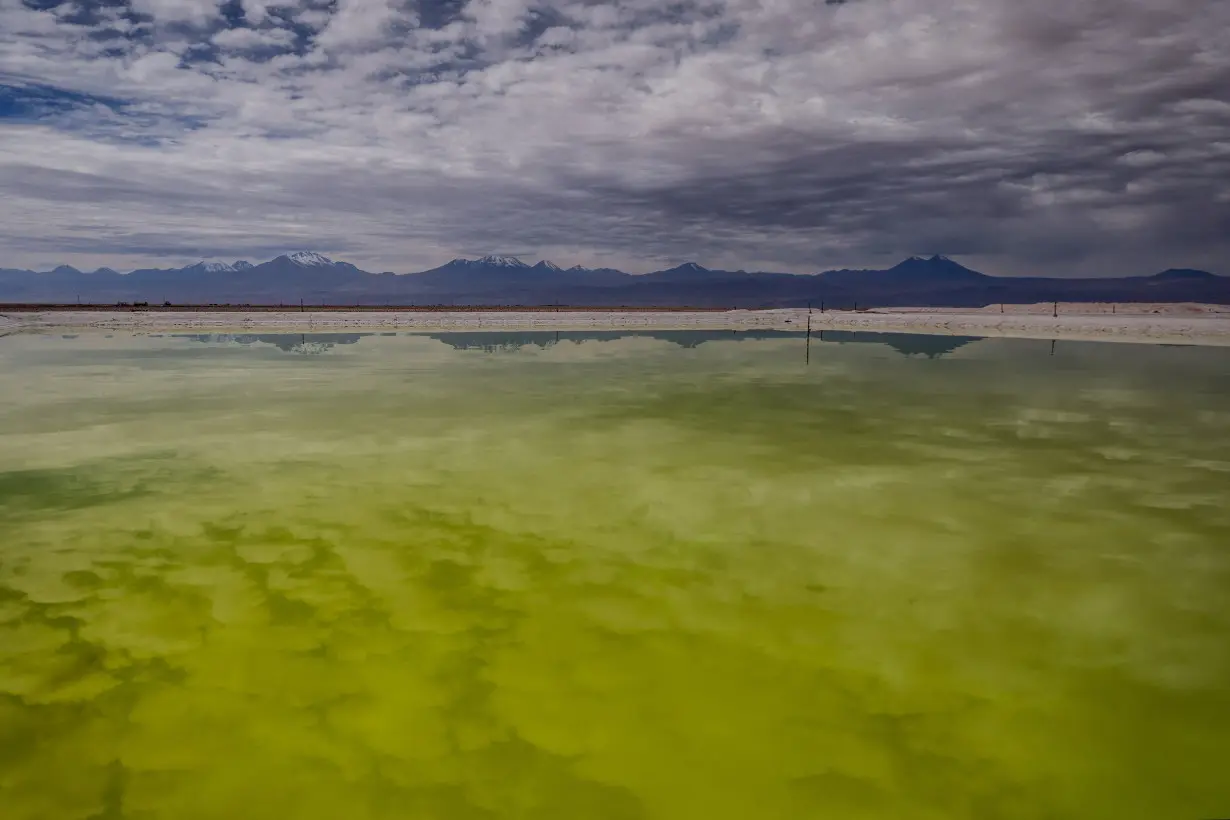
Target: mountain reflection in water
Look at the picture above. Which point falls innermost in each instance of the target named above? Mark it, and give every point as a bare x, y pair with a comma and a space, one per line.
907, 344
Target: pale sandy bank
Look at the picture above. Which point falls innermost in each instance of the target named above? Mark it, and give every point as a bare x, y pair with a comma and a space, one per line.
1177, 324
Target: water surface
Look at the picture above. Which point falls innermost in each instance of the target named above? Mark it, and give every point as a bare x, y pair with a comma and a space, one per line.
659, 575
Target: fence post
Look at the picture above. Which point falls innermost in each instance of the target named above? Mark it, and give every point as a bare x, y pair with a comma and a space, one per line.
807, 349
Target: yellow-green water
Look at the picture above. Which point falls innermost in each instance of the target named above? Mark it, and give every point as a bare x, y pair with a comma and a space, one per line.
415, 577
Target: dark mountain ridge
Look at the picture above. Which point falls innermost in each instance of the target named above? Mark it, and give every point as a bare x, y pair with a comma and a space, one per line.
506, 280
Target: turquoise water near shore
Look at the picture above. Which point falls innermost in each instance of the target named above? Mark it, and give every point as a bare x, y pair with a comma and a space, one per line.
673, 575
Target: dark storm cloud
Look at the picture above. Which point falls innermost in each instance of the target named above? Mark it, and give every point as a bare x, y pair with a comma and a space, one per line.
1078, 138
1037, 203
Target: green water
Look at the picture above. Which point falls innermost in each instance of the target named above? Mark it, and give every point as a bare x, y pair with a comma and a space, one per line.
708, 577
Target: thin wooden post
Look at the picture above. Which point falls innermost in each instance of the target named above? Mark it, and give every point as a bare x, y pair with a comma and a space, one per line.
807, 348
1055, 309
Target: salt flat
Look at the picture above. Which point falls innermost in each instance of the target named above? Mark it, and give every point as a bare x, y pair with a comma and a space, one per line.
1169, 323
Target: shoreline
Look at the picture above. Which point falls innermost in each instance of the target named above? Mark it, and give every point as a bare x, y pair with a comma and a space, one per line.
1176, 324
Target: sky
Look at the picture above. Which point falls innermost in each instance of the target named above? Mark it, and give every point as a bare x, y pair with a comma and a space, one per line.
1053, 137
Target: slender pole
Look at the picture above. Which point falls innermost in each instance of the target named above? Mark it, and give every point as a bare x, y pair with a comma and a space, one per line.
1055, 309
807, 349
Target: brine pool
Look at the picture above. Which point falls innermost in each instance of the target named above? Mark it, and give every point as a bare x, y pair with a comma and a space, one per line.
613, 576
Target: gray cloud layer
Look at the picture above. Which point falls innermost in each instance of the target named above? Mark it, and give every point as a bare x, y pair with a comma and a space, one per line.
1049, 136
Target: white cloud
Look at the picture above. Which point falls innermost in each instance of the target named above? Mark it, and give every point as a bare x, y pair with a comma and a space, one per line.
498, 18
255, 11
179, 11
247, 38
361, 22
1142, 159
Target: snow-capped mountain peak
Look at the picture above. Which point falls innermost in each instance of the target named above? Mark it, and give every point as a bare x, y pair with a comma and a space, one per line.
209, 267
241, 264
503, 261
310, 259
548, 265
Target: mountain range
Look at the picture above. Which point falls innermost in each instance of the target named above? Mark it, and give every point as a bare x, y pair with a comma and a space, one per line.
506, 280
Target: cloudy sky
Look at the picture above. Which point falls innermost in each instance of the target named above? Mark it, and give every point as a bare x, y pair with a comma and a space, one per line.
1085, 137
